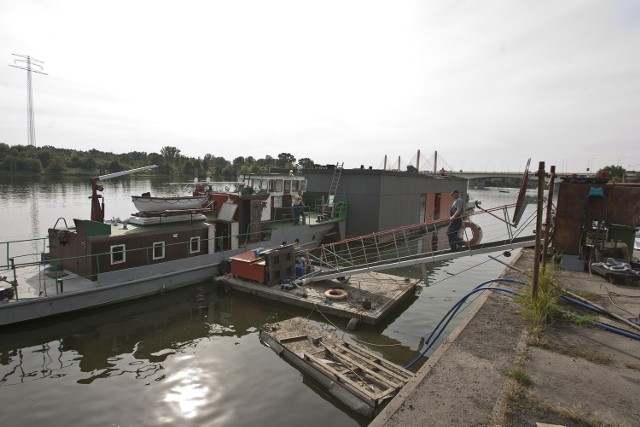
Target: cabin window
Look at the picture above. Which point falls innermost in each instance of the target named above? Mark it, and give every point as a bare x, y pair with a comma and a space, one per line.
265, 185
158, 250
303, 185
287, 186
256, 184
295, 186
279, 185
194, 245
118, 254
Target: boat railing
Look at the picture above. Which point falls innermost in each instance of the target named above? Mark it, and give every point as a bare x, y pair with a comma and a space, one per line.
27, 251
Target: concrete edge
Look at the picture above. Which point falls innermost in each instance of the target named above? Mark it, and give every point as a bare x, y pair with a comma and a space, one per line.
396, 403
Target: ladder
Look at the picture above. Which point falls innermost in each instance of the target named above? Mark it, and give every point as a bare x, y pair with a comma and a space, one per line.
337, 172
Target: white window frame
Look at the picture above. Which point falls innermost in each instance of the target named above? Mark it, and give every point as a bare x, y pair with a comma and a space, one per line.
122, 251
191, 242
161, 245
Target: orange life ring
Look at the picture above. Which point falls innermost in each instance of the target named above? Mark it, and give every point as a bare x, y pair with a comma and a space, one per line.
336, 294
476, 232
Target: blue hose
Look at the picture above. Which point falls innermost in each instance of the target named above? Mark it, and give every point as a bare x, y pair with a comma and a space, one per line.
444, 322
600, 324
450, 315
453, 310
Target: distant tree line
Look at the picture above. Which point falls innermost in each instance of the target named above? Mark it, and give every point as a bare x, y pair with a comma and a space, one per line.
20, 159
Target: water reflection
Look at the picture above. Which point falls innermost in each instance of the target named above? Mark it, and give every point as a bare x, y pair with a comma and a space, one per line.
189, 391
128, 339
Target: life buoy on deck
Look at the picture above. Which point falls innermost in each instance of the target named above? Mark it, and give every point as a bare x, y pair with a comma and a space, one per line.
476, 232
336, 294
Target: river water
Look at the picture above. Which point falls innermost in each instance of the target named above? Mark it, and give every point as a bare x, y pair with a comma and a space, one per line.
189, 357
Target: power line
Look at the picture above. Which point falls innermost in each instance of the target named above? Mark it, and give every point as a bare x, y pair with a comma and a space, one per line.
29, 63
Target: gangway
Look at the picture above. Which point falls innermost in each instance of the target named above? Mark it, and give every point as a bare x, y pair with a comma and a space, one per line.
405, 246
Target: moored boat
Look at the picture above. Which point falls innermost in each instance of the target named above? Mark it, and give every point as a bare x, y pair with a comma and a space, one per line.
93, 262
147, 203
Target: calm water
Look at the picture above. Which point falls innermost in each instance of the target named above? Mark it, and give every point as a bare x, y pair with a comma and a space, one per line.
189, 357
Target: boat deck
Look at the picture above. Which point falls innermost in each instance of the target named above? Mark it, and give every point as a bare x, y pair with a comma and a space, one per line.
360, 379
370, 296
32, 284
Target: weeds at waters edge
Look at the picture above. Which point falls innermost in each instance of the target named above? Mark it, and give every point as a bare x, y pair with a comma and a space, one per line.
540, 312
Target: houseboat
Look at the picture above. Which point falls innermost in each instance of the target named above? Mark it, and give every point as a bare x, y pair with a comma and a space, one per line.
93, 262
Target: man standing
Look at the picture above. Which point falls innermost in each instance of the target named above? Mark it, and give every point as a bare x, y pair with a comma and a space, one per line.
455, 216
298, 210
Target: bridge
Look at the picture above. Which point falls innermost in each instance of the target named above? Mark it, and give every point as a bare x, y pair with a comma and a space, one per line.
485, 175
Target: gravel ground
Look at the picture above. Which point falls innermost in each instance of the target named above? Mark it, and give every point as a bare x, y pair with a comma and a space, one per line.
572, 374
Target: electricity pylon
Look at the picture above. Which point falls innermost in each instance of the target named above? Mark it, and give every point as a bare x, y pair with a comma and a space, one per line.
29, 63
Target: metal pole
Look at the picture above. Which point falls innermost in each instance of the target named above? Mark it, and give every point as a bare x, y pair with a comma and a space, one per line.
547, 226
536, 260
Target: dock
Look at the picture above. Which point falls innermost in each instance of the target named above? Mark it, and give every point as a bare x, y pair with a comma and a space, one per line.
360, 379
368, 297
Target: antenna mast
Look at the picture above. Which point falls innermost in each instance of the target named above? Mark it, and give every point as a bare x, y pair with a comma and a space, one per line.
29, 62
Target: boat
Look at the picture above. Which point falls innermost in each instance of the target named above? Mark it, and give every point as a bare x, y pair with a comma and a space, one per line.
94, 262
147, 203
363, 381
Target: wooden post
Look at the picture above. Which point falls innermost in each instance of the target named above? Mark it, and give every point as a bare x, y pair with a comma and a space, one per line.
547, 226
536, 261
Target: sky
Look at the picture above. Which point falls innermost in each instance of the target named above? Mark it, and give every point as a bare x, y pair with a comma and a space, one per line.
485, 84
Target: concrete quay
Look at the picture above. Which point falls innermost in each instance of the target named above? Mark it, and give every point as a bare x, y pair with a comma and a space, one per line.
573, 375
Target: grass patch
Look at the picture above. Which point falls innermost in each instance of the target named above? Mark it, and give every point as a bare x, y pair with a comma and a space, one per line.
582, 353
519, 375
527, 407
587, 320
540, 312
591, 296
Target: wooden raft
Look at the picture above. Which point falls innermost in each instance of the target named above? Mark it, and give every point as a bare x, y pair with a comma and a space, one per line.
360, 379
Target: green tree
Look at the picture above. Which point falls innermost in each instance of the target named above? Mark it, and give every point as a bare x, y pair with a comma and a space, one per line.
56, 165
615, 173
286, 160
88, 164
170, 154
306, 163
238, 161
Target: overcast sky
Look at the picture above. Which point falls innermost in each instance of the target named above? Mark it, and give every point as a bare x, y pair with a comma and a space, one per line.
486, 83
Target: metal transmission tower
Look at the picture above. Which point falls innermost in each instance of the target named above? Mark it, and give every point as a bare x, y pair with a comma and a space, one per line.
29, 62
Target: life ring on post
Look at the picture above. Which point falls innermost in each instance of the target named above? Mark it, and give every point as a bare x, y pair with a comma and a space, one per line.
336, 294
476, 232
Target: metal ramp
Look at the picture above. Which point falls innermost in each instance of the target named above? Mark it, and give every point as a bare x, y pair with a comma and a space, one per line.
400, 247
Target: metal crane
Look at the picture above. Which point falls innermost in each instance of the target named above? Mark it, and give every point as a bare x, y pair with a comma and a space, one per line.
97, 208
